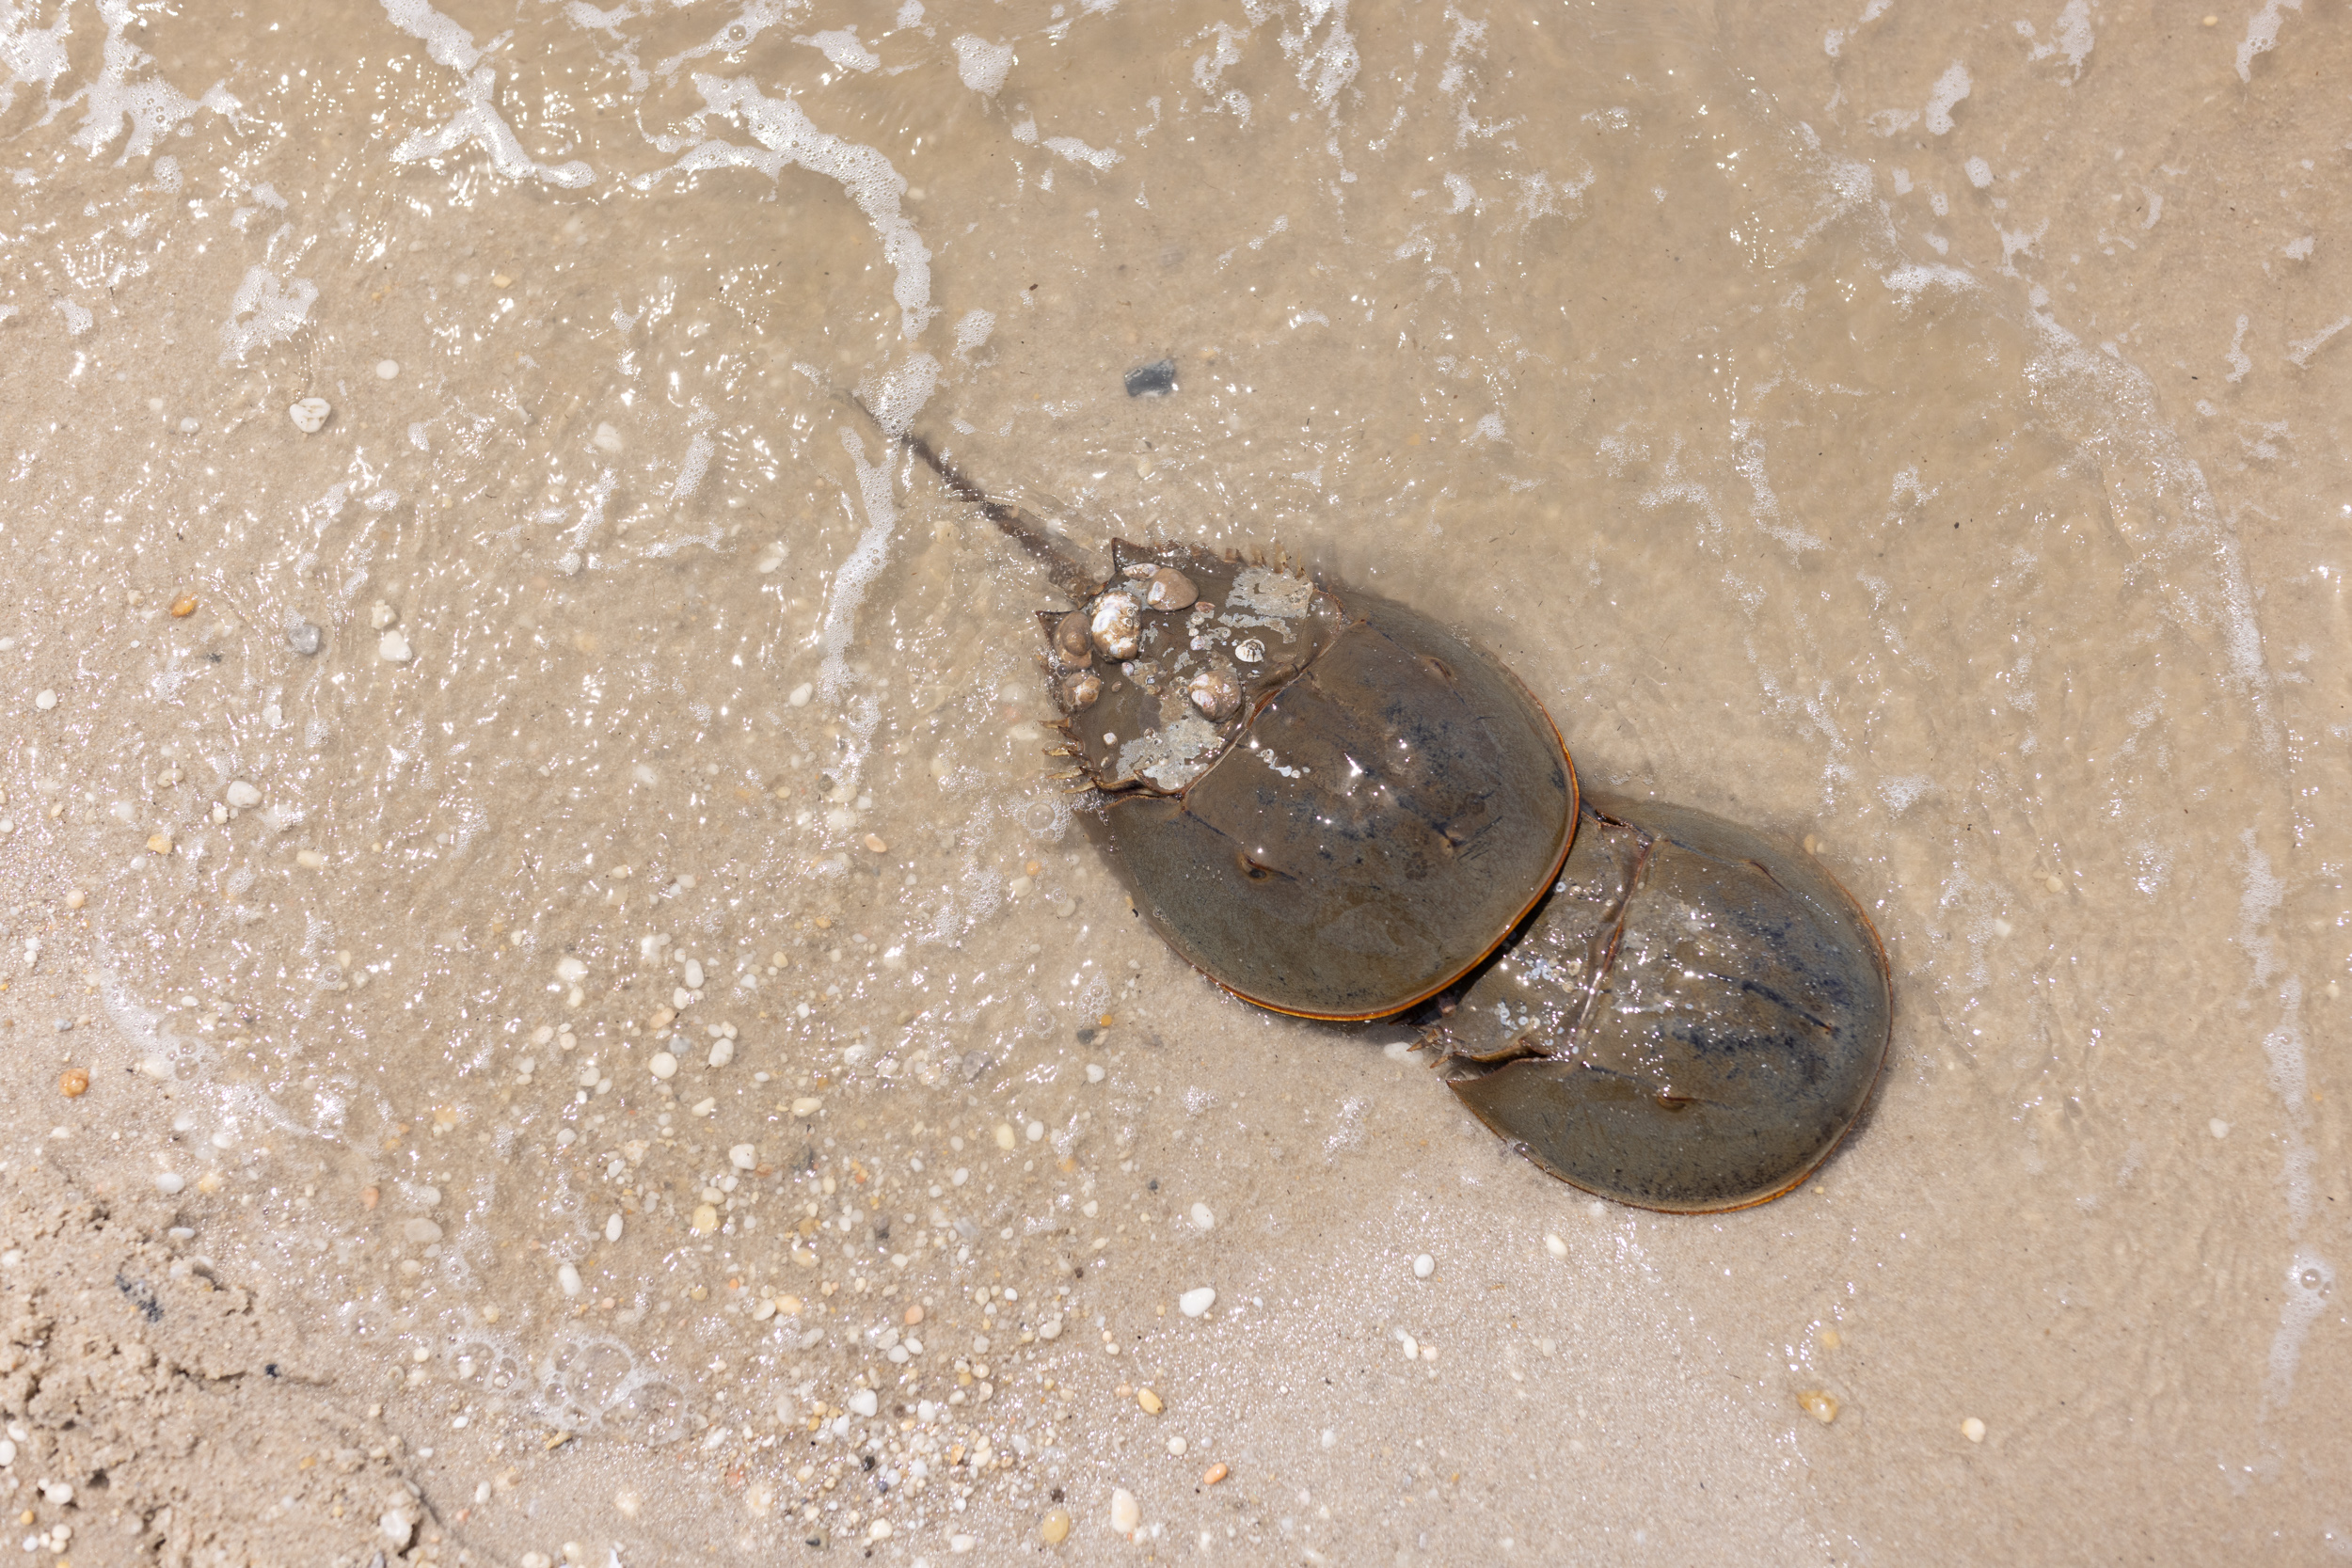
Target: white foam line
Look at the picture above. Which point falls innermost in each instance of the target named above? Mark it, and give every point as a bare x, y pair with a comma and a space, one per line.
789, 138
479, 120
2299, 355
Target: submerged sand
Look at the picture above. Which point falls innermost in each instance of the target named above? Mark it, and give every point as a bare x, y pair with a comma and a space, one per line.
602, 1043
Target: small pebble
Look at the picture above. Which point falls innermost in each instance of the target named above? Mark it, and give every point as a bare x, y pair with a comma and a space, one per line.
1094, 1072
242, 795
808, 1105
874, 842
1202, 1218
183, 607
745, 1157
1819, 1404
694, 974
1217, 1473
568, 1278
73, 1083
707, 1218
1973, 1430
862, 1403
2219, 1128
1152, 1403
305, 639
159, 843
613, 1229
45, 700
914, 1316
309, 415
1554, 1245
664, 1065
170, 1184
387, 368
1006, 1137
1195, 1303
393, 647
1055, 1528
1126, 1514
1176, 1446
76, 899
1424, 1266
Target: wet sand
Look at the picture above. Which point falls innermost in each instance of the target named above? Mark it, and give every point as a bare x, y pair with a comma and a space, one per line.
604, 1043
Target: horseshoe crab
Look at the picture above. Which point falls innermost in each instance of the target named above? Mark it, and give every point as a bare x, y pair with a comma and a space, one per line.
1334, 807
1326, 803
1691, 1021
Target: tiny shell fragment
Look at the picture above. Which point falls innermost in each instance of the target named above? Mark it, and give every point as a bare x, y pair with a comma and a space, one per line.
1079, 691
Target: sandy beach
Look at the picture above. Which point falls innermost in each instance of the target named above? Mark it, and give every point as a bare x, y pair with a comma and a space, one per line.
552, 1007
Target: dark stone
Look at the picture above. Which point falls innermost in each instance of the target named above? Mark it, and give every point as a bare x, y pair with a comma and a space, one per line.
1154, 380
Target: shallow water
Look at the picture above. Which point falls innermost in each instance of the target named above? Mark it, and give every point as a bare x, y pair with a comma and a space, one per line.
1797, 487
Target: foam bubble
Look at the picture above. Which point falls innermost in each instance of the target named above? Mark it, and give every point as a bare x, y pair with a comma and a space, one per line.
1079, 152
972, 330
982, 65
1950, 90
2262, 34
264, 311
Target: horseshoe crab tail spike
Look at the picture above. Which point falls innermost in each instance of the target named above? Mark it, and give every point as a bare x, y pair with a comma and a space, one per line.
1068, 572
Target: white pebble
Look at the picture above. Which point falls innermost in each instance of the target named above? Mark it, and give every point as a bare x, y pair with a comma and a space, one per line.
169, 1183
568, 1278
613, 1229
1036, 1130
808, 1105
1553, 1244
862, 1403
721, 1052
422, 1231
1050, 1329
1177, 1446
1194, 1304
393, 647
242, 795
607, 438
1330, 1439
44, 699
1973, 1430
570, 971
694, 974
743, 1157
2219, 1128
1202, 1218
1126, 1514
387, 368
7, 1452
801, 695
309, 415
1424, 1266
664, 1065
1095, 1073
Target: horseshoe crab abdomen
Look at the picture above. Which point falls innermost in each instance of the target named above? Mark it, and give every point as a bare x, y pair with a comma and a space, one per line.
1691, 1023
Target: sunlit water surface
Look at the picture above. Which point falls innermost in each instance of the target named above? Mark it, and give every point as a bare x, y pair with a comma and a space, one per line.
651, 961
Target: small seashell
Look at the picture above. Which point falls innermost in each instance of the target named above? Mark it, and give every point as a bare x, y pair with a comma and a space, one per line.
1215, 693
1250, 651
1078, 692
1170, 589
1116, 626
1073, 644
